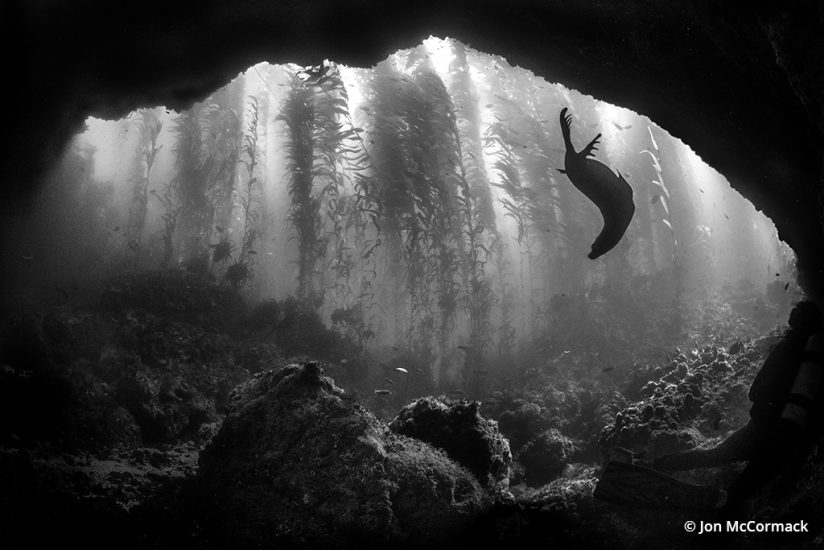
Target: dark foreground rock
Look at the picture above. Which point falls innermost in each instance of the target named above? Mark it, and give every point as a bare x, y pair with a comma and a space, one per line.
300, 464
133, 499
461, 431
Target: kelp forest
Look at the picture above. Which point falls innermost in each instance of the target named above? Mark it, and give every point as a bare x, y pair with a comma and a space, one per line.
417, 210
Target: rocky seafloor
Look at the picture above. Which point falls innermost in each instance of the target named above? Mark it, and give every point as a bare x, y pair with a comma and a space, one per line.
158, 419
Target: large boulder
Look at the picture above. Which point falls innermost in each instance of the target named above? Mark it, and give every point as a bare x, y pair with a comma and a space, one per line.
460, 430
298, 463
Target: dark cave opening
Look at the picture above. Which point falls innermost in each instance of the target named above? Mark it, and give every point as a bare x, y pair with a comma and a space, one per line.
163, 349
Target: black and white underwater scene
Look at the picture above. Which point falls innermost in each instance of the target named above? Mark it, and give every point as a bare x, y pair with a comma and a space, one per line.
438, 300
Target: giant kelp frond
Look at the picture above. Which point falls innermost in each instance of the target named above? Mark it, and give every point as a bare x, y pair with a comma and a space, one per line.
298, 113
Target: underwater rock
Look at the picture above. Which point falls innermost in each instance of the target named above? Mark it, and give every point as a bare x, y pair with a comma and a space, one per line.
175, 293
133, 499
49, 392
461, 431
167, 408
299, 463
96, 381
560, 514
171, 376
607, 409
174, 376
687, 401
521, 420
579, 411
572, 492
545, 456
659, 424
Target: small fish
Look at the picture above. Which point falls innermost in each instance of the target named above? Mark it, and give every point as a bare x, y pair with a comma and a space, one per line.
63, 293
465, 348
627, 127
401, 369
116, 229
726, 216
133, 244
343, 361
219, 229
252, 252
786, 286
27, 258
388, 381
383, 392
396, 348
778, 274
456, 392
608, 369
654, 199
700, 189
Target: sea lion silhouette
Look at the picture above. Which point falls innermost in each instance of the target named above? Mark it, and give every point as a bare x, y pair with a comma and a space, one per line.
610, 192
